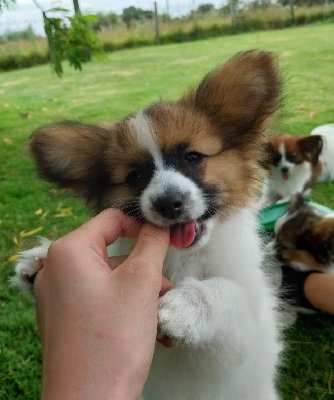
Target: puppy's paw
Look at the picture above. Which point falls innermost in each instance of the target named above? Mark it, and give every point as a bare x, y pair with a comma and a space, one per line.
28, 264
184, 315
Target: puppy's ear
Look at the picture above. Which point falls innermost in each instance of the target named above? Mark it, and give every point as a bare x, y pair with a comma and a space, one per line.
71, 155
240, 95
310, 147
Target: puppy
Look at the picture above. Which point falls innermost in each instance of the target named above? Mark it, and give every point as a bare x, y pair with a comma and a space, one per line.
306, 238
325, 171
192, 165
294, 166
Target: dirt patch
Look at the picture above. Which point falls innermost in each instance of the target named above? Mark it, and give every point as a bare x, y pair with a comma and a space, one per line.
126, 72
16, 82
182, 61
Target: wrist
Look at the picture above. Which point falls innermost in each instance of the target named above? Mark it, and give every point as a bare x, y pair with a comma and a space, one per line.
73, 369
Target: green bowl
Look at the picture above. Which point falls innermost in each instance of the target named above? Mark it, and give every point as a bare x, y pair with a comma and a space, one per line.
269, 215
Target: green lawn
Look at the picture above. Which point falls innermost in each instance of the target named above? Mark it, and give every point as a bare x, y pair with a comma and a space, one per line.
106, 91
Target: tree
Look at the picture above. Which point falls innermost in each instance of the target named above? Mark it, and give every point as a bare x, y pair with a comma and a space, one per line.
230, 8
131, 14
205, 8
105, 20
68, 36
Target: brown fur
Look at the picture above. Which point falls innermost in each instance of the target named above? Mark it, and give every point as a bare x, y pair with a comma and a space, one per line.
223, 118
306, 236
304, 257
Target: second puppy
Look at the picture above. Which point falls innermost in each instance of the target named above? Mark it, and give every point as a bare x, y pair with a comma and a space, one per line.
296, 163
293, 166
306, 238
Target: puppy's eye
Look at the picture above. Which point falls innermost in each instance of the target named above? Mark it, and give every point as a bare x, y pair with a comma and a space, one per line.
134, 177
193, 157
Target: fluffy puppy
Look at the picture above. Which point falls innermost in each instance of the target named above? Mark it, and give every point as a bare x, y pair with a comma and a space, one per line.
325, 171
294, 166
191, 165
306, 238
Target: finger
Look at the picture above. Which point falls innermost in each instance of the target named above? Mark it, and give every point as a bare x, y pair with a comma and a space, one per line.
166, 286
115, 261
152, 244
108, 226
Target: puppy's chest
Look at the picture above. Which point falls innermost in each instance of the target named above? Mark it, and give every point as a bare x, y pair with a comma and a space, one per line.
178, 265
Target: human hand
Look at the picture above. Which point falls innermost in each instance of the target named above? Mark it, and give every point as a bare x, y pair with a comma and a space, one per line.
98, 316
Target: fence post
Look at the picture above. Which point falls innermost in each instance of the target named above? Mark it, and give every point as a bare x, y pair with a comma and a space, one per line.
156, 19
292, 11
167, 7
232, 14
76, 6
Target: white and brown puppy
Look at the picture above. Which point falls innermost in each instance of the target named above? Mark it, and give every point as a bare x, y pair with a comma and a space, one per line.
305, 237
191, 165
294, 166
326, 158
297, 163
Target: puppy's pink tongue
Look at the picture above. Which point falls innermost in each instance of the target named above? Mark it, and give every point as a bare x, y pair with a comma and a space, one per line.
183, 235
286, 176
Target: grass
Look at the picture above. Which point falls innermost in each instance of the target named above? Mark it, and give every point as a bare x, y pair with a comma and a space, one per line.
128, 81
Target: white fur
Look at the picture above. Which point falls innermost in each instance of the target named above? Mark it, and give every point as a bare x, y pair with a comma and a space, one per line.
141, 128
221, 315
327, 153
28, 265
299, 266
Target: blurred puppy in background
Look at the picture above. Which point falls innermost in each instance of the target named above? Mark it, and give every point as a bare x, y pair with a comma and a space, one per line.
305, 238
326, 157
293, 166
296, 163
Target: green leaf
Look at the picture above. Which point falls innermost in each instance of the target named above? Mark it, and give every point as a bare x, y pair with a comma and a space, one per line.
72, 38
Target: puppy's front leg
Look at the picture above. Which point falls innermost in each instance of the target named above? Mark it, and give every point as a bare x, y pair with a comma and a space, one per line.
195, 313
28, 264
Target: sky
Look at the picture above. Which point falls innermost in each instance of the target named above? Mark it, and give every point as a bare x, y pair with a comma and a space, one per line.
25, 12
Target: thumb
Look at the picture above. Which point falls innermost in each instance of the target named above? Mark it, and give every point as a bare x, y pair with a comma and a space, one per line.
140, 275
152, 245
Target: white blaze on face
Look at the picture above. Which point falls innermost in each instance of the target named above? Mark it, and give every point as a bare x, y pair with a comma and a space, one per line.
143, 132
281, 150
284, 165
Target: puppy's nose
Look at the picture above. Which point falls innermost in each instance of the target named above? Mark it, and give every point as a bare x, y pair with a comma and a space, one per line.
285, 170
170, 206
